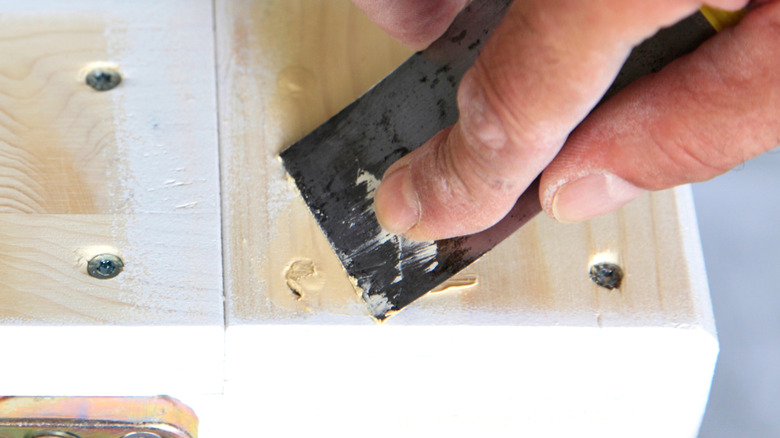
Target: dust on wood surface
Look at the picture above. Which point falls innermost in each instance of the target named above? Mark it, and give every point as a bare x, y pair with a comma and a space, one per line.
287, 66
132, 170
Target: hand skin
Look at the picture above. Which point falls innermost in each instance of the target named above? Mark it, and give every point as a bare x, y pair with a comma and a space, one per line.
526, 106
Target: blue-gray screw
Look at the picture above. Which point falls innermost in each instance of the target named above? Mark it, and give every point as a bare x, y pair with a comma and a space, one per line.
105, 266
606, 275
103, 78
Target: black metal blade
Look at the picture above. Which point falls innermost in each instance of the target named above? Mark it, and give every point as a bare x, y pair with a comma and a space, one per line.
338, 166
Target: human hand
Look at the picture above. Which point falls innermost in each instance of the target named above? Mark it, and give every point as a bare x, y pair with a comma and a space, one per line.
525, 104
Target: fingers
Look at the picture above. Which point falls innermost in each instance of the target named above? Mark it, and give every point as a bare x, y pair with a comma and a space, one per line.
696, 119
545, 67
416, 23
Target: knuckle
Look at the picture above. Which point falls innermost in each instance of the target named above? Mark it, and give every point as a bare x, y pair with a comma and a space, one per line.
493, 123
467, 180
694, 156
481, 114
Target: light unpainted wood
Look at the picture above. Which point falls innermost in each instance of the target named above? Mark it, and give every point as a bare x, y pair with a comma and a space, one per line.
521, 341
284, 68
132, 171
517, 342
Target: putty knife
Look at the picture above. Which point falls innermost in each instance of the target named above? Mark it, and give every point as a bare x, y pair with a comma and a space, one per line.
337, 167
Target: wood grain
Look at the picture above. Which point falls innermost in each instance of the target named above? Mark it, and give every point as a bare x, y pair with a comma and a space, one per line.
133, 171
323, 56
134, 168
55, 142
285, 67
518, 341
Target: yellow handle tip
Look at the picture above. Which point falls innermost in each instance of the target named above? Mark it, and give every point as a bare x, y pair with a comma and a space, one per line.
721, 19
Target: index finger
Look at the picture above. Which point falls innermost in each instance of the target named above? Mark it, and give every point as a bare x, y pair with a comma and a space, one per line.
543, 70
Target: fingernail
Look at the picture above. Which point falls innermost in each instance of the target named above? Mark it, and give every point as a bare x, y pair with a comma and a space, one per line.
592, 196
396, 202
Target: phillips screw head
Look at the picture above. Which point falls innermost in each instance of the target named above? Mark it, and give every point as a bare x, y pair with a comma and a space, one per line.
105, 266
103, 78
606, 275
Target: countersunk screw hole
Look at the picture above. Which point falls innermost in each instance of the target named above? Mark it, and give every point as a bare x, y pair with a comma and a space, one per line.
105, 266
606, 275
103, 78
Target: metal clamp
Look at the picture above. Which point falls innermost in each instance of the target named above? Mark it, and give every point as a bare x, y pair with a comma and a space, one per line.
96, 417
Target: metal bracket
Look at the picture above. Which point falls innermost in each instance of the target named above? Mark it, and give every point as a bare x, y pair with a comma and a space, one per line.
96, 417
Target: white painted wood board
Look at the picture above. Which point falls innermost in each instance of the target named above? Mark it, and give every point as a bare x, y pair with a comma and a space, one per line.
525, 345
467, 380
132, 170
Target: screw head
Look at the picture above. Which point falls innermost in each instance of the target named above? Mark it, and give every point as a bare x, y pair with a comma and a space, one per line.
103, 78
105, 266
606, 275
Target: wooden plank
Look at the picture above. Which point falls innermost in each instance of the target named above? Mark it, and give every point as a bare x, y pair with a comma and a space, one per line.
519, 341
285, 67
134, 171
290, 65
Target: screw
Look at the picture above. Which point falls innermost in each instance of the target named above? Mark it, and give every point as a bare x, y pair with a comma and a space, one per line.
103, 78
606, 275
141, 435
105, 266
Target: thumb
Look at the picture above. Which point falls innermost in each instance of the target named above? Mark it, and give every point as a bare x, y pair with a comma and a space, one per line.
696, 119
